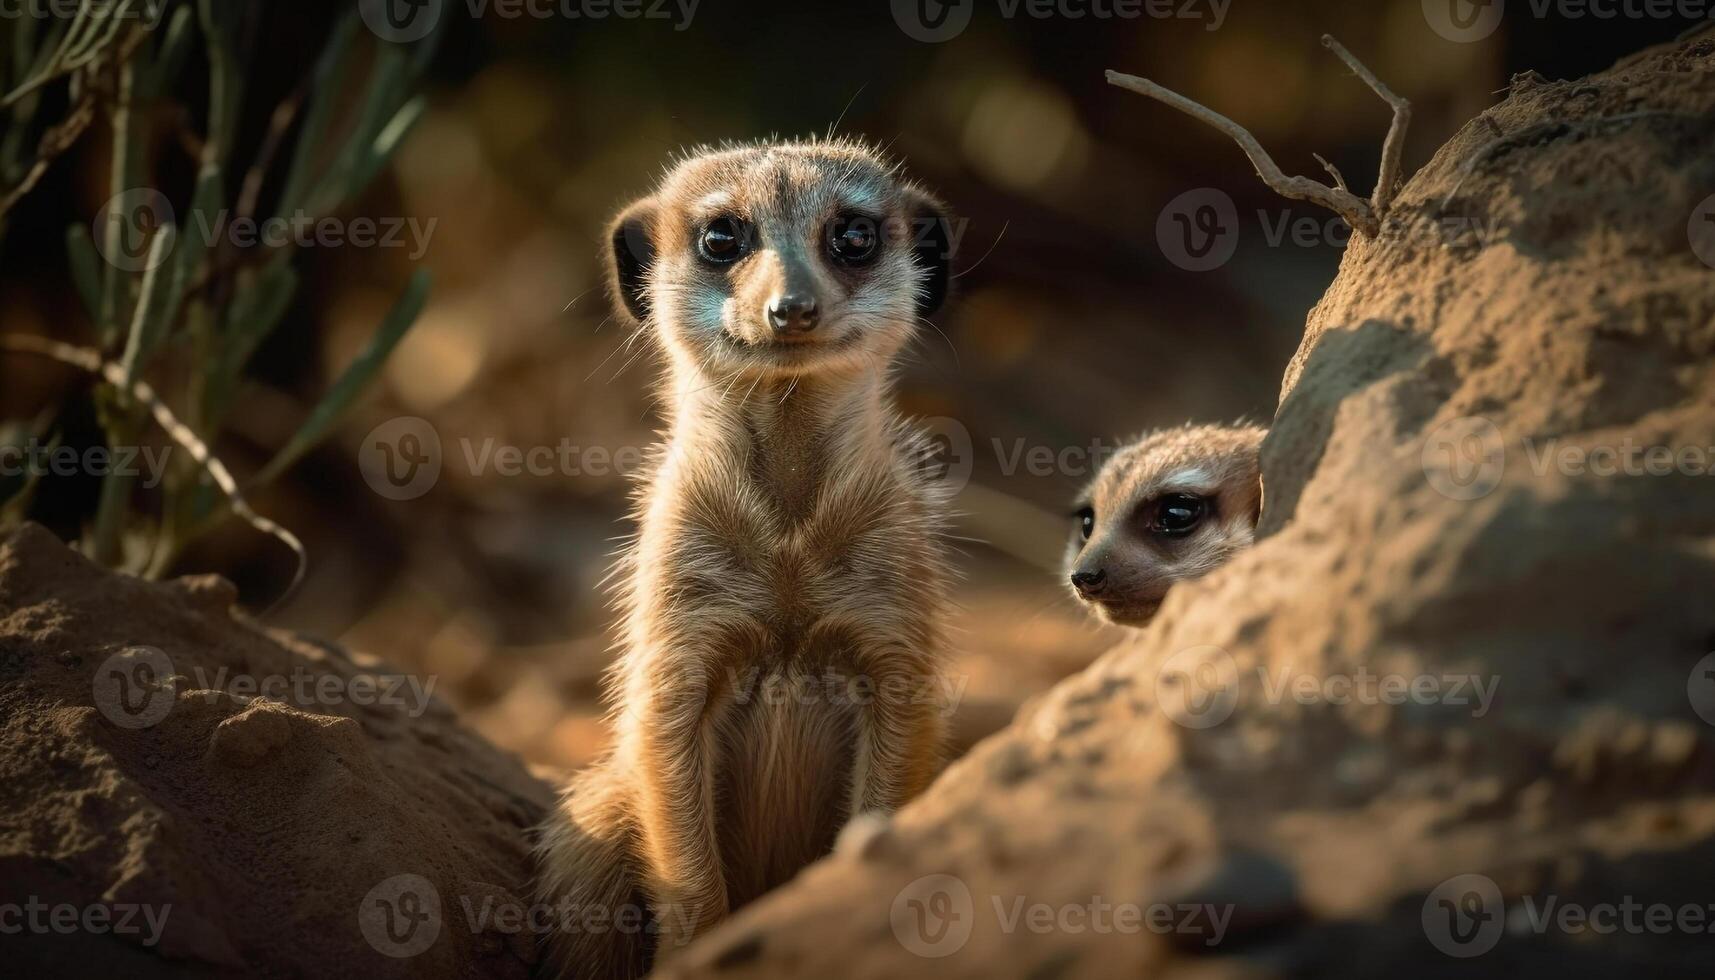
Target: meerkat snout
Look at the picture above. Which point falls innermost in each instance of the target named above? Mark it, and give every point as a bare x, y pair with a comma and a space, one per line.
793, 314
1089, 583
1169, 507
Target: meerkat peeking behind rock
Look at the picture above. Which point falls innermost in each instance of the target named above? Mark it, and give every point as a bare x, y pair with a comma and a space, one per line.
1169, 507
790, 541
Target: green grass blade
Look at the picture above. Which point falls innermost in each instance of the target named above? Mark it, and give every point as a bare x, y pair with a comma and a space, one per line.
260, 301
148, 324
85, 267
387, 142
170, 56
355, 380
329, 81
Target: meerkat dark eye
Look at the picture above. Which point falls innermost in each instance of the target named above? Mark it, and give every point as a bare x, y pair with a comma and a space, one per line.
722, 240
1086, 522
854, 239
1178, 514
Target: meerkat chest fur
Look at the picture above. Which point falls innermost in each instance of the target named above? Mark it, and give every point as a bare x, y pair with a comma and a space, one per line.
787, 531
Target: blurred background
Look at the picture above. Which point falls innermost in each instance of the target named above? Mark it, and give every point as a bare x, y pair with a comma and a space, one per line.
1078, 322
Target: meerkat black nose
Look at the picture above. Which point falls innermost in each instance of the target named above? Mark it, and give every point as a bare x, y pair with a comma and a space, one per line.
792, 313
1089, 583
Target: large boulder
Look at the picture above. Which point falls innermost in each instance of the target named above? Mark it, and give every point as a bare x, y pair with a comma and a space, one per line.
1453, 714
183, 793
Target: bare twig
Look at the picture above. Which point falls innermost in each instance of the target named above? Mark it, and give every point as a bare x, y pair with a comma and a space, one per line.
91, 361
1364, 216
1333, 171
97, 85
1393, 147
278, 126
59, 138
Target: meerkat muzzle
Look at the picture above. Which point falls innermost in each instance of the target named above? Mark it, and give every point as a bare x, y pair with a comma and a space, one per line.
793, 315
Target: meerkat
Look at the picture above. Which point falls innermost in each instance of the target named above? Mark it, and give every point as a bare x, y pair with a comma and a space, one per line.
1171, 506
789, 532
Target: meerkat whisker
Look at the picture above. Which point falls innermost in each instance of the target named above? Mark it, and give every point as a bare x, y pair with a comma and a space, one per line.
835, 125
943, 333
610, 356
992, 246
633, 359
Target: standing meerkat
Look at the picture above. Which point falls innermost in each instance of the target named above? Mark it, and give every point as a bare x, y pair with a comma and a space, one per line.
1172, 506
789, 534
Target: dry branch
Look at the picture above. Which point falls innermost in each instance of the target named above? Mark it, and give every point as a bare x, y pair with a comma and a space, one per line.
92, 362
63, 135
1364, 216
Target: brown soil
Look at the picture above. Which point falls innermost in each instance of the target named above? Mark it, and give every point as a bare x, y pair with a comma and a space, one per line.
254, 830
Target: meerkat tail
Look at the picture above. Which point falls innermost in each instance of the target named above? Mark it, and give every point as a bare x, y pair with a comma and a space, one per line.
599, 918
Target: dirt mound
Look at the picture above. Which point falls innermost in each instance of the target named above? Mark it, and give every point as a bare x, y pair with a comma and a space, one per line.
158, 817
1454, 714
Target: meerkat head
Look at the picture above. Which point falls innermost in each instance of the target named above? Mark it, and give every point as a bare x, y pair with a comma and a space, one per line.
782, 258
1169, 507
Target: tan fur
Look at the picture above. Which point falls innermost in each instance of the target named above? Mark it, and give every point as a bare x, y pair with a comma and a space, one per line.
1215, 463
783, 598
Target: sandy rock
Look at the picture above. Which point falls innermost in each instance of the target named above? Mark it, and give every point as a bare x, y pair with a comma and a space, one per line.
1454, 682
278, 809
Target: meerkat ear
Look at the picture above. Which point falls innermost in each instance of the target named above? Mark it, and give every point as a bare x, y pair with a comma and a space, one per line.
932, 244
631, 251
